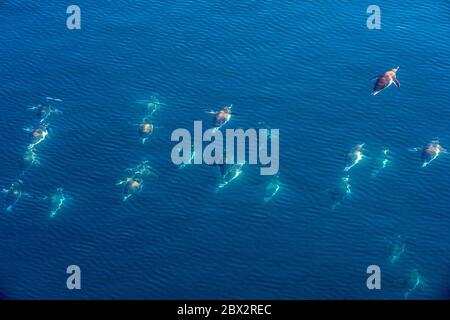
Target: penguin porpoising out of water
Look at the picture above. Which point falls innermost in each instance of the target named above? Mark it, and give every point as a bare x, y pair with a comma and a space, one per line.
385, 80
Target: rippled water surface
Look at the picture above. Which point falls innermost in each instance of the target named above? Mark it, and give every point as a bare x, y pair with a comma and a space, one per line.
300, 66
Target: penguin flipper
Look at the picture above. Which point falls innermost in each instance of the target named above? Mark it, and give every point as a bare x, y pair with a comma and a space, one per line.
397, 83
375, 92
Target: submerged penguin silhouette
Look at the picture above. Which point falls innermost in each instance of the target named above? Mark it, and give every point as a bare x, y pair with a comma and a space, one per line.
44, 111
40, 133
145, 130
229, 172
413, 281
397, 248
132, 187
133, 184
13, 194
385, 80
430, 152
271, 189
221, 117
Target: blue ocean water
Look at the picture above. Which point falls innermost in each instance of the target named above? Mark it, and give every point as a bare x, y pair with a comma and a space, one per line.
300, 66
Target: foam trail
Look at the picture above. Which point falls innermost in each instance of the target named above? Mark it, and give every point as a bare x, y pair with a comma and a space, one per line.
272, 189
384, 163
416, 283
53, 99
57, 202
398, 248
426, 163
359, 157
344, 190
191, 159
358, 152
235, 171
